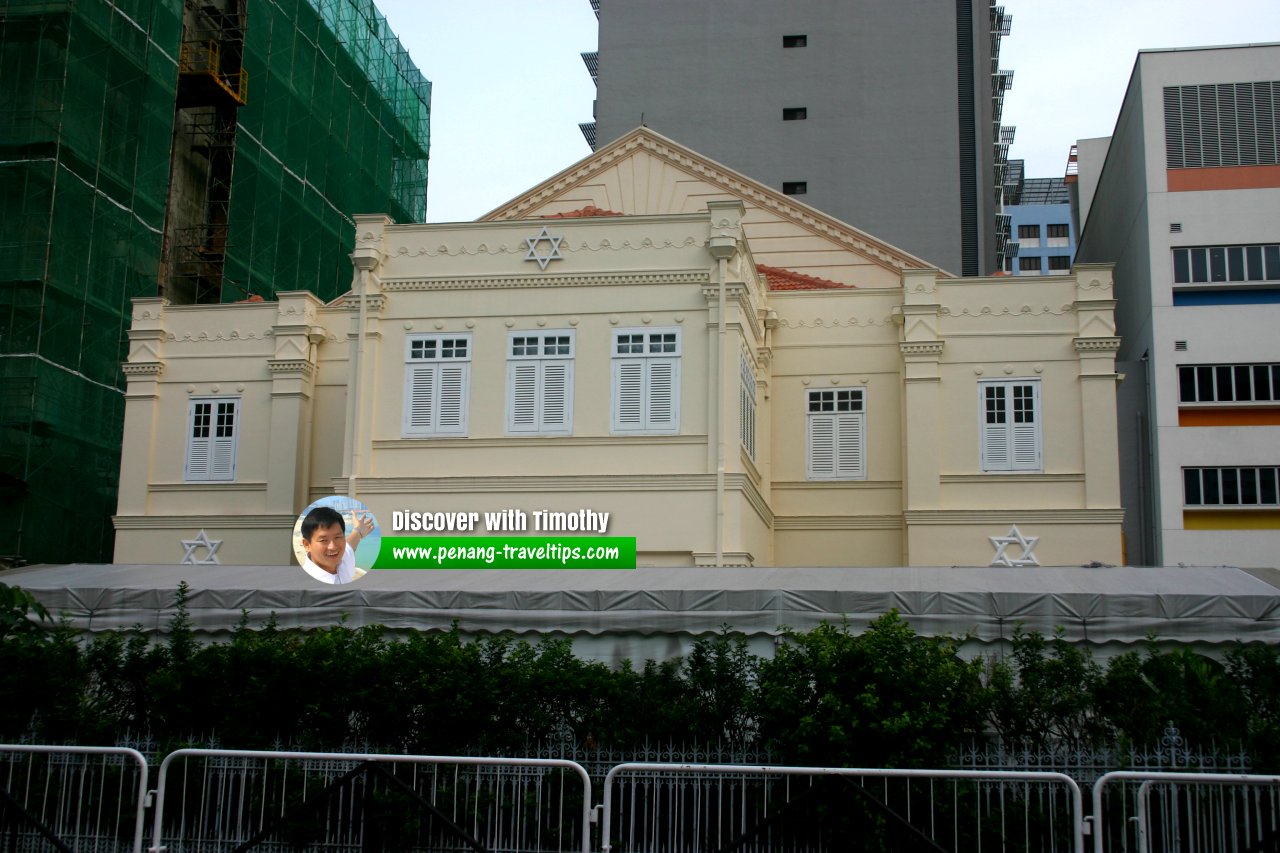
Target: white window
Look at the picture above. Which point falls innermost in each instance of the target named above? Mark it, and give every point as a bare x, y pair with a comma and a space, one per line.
437, 382
540, 382
1010, 422
747, 408
213, 426
836, 435
646, 380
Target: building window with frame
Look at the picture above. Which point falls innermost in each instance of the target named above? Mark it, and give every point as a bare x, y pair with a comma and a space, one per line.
646, 381
836, 435
1059, 263
1059, 235
1029, 236
1232, 486
795, 41
437, 384
213, 426
747, 408
1219, 264
795, 113
1010, 425
1229, 383
1029, 263
540, 382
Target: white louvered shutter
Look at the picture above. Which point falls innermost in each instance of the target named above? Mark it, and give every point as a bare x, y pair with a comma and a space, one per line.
822, 447
557, 380
419, 399
1025, 427
628, 395
849, 442
522, 398
199, 441
222, 456
661, 394
996, 450
452, 418
211, 440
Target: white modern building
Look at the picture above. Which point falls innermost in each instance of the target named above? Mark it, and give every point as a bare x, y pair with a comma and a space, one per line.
1184, 198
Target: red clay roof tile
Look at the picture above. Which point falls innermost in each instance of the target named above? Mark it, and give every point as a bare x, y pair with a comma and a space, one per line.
589, 210
780, 279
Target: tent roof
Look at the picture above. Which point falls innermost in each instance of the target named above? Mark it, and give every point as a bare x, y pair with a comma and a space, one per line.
1095, 605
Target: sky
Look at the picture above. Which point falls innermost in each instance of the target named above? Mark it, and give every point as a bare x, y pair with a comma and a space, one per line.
509, 87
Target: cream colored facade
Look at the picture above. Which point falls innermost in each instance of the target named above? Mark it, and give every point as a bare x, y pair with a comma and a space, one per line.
319, 393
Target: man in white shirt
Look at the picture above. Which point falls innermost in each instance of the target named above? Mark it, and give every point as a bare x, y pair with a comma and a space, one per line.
330, 554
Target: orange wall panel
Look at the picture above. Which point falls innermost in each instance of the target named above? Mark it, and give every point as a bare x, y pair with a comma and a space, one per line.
1224, 178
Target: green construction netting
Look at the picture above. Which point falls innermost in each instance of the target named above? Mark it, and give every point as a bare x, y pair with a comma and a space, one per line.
335, 124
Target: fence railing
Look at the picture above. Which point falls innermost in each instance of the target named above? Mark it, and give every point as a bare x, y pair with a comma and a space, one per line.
1205, 812
916, 809
73, 798
244, 799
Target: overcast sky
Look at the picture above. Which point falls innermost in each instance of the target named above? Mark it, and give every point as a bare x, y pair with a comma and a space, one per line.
509, 86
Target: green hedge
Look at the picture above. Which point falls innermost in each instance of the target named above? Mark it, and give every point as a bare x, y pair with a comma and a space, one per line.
882, 697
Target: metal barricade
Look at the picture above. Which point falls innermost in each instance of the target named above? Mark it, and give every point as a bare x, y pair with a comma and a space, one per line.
72, 797
275, 800
691, 807
1194, 811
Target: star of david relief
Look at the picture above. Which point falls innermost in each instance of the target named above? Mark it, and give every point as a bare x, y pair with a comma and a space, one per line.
1014, 537
202, 540
552, 248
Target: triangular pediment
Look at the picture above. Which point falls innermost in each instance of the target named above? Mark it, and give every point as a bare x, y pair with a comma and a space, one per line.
645, 173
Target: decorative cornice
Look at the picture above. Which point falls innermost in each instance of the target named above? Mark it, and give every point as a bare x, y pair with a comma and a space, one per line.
211, 337
1006, 311
372, 302
933, 348
1012, 476
290, 365
1004, 517
1097, 344
539, 483
143, 368
521, 249
207, 487
784, 206
823, 485
731, 559
542, 281
834, 322
620, 441
221, 523
839, 522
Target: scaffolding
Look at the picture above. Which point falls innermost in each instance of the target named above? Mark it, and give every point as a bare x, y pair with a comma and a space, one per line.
337, 123
97, 96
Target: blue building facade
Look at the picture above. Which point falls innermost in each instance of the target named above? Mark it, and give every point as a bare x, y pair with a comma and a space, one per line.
1042, 226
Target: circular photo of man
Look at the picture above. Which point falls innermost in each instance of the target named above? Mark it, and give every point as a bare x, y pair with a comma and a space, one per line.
336, 539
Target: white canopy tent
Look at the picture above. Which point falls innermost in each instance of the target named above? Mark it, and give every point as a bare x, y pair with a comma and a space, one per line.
659, 612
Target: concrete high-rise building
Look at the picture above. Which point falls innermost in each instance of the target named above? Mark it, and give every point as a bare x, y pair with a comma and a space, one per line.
1184, 198
203, 152
882, 113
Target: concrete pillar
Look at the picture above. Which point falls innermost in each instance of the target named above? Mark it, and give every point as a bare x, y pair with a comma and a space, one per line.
142, 372
292, 368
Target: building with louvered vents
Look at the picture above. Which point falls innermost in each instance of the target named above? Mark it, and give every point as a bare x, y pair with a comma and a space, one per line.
735, 377
1185, 198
